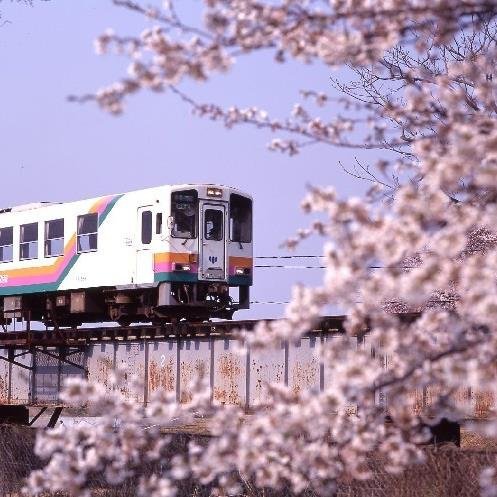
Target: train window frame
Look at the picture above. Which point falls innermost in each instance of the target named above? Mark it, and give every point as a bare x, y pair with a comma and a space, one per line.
49, 249
28, 240
5, 245
90, 236
176, 234
219, 236
146, 227
234, 198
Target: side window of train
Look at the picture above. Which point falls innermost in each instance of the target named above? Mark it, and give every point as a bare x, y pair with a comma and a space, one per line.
146, 227
7, 244
28, 246
54, 237
87, 233
240, 219
184, 213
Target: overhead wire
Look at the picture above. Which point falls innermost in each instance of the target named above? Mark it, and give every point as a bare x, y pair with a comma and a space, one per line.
288, 256
287, 267
284, 266
270, 302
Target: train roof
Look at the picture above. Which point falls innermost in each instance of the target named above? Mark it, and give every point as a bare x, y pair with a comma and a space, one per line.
27, 207
39, 205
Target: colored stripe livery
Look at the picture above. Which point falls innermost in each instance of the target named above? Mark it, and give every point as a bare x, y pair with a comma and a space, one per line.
240, 263
165, 263
165, 268
49, 277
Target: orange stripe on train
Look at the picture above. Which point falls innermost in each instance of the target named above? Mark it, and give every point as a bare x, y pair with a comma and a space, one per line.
241, 261
179, 257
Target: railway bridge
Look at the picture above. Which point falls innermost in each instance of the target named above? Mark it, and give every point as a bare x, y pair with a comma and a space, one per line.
34, 364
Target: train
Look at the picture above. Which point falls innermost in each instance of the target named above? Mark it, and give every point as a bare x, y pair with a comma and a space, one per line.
161, 254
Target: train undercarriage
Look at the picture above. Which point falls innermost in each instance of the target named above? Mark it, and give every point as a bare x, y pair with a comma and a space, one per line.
162, 303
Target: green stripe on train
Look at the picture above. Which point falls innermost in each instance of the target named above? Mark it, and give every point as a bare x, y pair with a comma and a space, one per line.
175, 277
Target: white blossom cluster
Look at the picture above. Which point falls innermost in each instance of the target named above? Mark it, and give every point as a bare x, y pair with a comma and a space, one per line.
125, 439
329, 32
434, 243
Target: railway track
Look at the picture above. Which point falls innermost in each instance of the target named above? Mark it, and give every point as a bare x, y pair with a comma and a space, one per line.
82, 336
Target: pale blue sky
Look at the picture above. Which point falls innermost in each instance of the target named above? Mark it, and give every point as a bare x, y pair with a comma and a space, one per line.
58, 151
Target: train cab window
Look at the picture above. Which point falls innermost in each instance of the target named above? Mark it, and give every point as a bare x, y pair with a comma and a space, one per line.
184, 209
146, 227
213, 224
7, 244
87, 232
54, 237
240, 219
28, 246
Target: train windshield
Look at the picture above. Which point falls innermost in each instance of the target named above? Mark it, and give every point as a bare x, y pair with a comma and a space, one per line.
184, 208
240, 218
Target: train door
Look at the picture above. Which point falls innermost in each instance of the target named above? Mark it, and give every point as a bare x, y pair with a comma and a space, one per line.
212, 242
144, 252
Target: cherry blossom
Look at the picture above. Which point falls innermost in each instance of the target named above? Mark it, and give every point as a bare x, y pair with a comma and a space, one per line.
416, 275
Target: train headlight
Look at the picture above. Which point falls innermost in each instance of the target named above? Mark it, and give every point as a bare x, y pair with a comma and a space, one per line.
242, 271
181, 267
214, 192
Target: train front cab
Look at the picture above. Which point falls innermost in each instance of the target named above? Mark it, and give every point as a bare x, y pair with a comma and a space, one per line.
210, 253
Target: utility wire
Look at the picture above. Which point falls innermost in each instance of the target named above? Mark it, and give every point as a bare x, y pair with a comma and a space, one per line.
288, 256
320, 267
269, 302
283, 266
287, 267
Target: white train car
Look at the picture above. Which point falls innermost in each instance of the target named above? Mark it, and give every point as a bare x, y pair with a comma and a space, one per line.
164, 253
